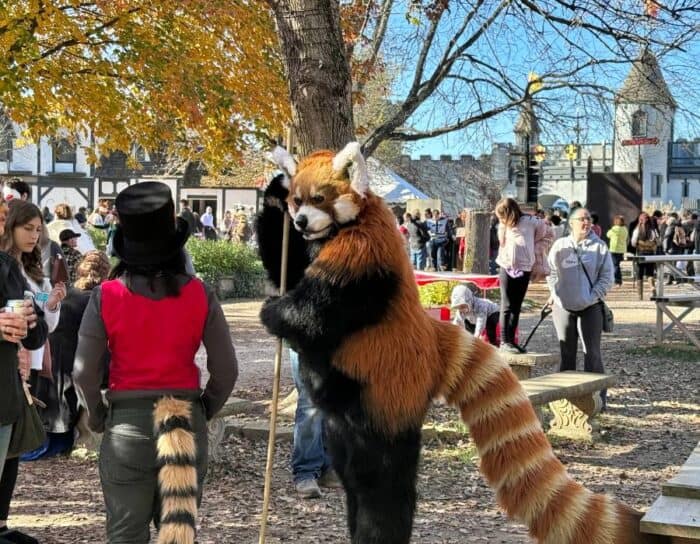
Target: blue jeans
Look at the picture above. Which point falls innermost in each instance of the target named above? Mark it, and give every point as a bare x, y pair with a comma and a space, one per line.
309, 457
437, 252
418, 258
5, 435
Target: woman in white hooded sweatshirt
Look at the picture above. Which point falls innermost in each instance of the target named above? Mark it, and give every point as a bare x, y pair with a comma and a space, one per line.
577, 301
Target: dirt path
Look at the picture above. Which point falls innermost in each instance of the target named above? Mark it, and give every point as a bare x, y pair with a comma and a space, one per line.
649, 430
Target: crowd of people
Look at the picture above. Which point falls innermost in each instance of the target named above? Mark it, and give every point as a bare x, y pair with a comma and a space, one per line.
236, 225
70, 305
55, 364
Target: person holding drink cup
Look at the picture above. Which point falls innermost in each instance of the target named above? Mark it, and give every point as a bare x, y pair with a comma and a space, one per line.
20, 325
20, 241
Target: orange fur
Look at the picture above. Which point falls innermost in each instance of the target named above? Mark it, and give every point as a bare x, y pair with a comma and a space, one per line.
408, 359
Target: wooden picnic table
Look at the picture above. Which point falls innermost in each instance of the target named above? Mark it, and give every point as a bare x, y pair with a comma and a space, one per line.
676, 513
689, 300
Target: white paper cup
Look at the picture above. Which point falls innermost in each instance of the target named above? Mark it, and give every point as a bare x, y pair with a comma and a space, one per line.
14, 306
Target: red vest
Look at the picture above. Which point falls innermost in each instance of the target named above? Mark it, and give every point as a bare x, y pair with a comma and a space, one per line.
153, 342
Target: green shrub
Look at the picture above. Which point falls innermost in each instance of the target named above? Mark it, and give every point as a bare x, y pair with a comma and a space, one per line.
99, 237
221, 259
436, 293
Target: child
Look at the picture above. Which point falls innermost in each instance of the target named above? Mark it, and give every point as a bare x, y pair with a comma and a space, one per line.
474, 313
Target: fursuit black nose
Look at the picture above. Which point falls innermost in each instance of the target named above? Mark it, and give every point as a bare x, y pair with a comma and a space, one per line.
301, 221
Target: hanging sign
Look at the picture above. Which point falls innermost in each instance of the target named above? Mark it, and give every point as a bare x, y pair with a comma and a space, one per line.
641, 141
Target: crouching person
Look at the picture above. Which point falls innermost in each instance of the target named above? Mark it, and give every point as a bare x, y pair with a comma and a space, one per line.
475, 314
148, 322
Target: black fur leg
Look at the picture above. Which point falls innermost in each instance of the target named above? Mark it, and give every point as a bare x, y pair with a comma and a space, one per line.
379, 475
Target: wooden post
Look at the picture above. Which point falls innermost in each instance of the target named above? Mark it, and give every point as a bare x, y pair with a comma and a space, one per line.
476, 252
276, 376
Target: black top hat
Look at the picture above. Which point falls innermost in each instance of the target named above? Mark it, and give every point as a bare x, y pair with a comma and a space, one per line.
148, 232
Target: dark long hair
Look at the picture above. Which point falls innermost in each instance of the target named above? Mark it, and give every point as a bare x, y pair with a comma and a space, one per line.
167, 271
22, 212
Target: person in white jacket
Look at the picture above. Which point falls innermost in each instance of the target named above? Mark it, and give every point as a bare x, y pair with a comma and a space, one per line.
576, 300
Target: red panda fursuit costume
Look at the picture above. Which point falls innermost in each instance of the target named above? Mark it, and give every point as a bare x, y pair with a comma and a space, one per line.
373, 360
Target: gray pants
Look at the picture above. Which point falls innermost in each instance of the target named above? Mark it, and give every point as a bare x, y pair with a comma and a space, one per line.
128, 470
5, 435
585, 324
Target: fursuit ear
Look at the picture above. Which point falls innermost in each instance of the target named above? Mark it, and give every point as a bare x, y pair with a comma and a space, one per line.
285, 162
350, 158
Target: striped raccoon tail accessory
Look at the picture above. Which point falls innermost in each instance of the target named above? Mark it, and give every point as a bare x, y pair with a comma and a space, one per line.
177, 475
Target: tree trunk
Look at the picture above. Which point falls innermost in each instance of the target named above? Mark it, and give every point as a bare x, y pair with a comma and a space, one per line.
318, 72
476, 252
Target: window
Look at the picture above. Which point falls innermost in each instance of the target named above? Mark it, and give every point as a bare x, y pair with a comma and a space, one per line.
656, 181
140, 154
639, 124
685, 189
64, 151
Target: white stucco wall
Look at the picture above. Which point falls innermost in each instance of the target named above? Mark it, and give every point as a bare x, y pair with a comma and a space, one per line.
654, 156
675, 190
566, 189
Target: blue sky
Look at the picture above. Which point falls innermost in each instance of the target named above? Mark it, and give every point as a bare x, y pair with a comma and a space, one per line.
520, 46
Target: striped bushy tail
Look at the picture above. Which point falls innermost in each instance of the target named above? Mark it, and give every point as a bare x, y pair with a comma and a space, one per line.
531, 484
177, 475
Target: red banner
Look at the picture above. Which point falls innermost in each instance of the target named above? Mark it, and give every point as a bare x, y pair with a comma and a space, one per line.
641, 141
482, 281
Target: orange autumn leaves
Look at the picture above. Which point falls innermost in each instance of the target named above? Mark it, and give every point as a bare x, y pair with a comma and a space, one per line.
202, 74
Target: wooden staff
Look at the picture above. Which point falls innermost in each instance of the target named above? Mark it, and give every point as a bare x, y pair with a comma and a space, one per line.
277, 372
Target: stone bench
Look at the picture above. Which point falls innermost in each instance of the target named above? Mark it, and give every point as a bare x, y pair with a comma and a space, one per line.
522, 364
676, 513
574, 399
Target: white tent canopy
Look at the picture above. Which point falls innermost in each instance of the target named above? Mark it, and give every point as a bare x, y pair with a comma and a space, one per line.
387, 184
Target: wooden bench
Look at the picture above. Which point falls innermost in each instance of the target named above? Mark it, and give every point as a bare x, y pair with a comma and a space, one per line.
676, 513
216, 427
523, 363
574, 399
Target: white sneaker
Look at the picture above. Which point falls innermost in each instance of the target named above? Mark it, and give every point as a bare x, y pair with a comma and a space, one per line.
308, 489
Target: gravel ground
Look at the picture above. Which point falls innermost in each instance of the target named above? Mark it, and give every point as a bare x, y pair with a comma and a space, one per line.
649, 430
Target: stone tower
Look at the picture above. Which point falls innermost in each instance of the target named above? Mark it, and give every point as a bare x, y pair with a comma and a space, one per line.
644, 110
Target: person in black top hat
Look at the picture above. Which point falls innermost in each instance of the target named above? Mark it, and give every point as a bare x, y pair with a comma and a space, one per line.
151, 317
69, 243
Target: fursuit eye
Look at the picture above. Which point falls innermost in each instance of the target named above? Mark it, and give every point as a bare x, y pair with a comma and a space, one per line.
317, 199
297, 201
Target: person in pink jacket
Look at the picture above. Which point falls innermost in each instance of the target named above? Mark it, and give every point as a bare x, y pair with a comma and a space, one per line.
522, 256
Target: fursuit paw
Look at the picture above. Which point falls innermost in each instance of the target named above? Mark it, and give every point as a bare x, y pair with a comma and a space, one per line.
271, 316
277, 192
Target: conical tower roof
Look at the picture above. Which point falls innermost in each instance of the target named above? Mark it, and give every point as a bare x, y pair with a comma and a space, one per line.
527, 122
645, 84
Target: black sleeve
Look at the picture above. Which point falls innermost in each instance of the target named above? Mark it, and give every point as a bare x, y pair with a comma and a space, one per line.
269, 232
317, 315
14, 288
90, 366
